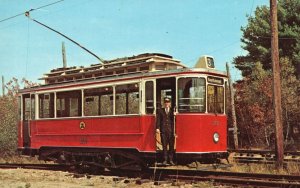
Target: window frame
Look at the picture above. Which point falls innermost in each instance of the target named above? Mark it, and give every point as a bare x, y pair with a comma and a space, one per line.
98, 115
139, 99
144, 105
205, 93
39, 114
216, 97
79, 105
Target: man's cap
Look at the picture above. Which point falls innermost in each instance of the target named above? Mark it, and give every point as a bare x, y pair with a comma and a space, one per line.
167, 99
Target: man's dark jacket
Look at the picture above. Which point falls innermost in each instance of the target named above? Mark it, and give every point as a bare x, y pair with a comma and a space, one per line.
164, 122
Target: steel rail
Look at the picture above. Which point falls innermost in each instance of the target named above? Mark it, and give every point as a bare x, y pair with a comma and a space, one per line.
164, 175
55, 167
264, 156
233, 178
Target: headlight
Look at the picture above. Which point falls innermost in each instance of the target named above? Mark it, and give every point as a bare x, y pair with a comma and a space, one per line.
216, 137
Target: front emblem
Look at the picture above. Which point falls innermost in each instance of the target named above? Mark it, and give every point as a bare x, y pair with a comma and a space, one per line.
82, 125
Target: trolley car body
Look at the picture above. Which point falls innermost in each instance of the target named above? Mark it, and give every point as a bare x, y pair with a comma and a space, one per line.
117, 111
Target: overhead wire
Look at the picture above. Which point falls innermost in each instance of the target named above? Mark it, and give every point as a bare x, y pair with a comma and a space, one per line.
27, 14
27, 51
33, 9
235, 69
227, 45
28, 32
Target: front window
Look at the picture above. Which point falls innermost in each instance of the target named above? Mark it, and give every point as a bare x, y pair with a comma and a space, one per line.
191, 95
215, 99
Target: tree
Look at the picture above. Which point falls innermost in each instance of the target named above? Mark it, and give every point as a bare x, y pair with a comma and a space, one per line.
254, 107
257, 37
290, 85
9, 118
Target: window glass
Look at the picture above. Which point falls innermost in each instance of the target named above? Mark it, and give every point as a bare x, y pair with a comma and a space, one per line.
149, 102
26, 107
32, 107
19, 108
68, 104
127, 99
215, 99
191, 95
46, 105
98, 101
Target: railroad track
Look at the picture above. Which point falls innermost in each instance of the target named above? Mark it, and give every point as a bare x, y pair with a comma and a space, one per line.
55, 167
264, 156
228, 178
162, 175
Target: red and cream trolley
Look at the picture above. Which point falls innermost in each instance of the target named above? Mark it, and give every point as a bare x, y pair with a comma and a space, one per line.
105, 113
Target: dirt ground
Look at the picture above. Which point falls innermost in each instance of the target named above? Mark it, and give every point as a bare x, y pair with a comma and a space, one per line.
27, 178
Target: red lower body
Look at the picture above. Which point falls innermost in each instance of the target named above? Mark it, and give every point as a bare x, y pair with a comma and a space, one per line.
194, 133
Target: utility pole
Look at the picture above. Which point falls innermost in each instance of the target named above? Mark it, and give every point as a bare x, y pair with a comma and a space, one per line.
3, 86
235, 130
63, 49
276, 83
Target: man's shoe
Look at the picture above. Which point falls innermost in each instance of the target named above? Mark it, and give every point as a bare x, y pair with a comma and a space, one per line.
165, 163
172, 163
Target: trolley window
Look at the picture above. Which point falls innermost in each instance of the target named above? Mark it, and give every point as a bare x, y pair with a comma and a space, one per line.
68, 104
127, 99
19, 108
46, 105
98, 101
26, 107
215, 99
32, 101
149, 103
191, 94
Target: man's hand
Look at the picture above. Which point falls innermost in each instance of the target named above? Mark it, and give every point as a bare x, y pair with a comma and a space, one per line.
157, 131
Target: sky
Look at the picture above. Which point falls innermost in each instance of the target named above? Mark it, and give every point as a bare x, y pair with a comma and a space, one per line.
185, 30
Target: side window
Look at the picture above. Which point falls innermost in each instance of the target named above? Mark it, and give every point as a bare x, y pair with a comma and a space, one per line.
191, 95
215, 97
149, 98
46, 105
127, 99
32, 101
98, 101
68, 104
19, 108
26, 107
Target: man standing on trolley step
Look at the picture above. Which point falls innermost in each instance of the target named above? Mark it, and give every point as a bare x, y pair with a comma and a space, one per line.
165, 126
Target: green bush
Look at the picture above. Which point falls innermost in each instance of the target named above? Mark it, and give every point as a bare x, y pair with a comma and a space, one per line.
9, 119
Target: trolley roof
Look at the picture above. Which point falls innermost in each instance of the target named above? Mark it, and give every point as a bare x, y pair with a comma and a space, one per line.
143, 65
147, 62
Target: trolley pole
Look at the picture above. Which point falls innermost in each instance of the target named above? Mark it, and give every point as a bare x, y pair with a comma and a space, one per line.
276, 83
235, 129
3, 86
63, 49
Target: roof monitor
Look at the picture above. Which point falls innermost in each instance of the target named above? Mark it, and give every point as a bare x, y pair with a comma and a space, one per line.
205, 62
